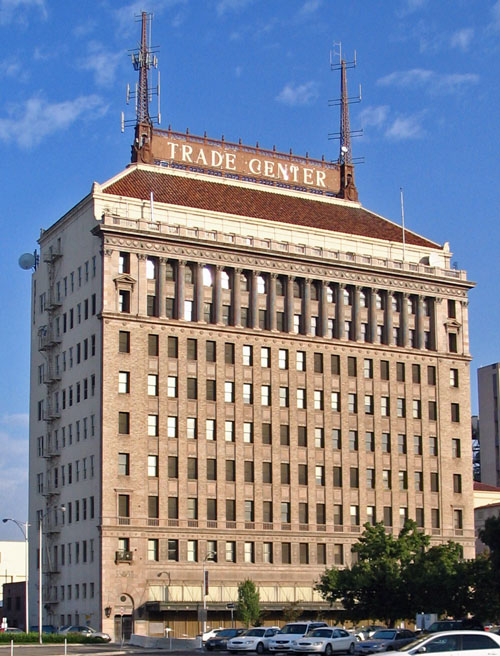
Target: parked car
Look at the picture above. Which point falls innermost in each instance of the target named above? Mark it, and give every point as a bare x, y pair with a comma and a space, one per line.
282, 641
86, 631
454, 625
256, 639
326, 640
385, 640
220, 640
46, 628
455, 642
13, 629
210, 634
365, 632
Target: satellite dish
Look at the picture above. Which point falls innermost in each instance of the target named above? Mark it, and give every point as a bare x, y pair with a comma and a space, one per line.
27, 261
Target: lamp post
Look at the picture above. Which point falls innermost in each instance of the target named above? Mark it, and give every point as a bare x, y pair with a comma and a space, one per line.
24, 531
123, 597
210, 556
41, 517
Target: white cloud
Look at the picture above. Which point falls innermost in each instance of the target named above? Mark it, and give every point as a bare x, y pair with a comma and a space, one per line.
20, 419
223, 6
495, 13
300, 94
310, 6
374, 116
127, 15
435, 82
238, 71
101, 62
406, 127
11, 10
411, 6
462, 38
30, 122
11, 67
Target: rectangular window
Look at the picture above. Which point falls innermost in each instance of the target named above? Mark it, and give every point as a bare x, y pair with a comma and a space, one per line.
453, 377
284, 435
354, 477
354, 513
434, 482
211, 469
173, 550
455, 412
267, 511
417, 409
457, 520
267, 472
265, 395
192, 349
335, 401
419, 481
321, 554
432, 411
211, 393
415, 373
368, 368
124, 423
400, 372
401, 444
124, 464
210, 429
338, 515
265, 357
303, 477
386, 479
192, 388
283, 397
247, 393
353, 440
192, 469
153, 466
370, 479
431, 375
230, 509
192, 551
283, 359
337, 477
123, 382
247, 355
417, 445
455, 448
301, 360
335, 364
210, 351
338, 554
302, 435
229, 431
172, 387
248, 432
172, 426
286, 553
319, 474
303, 553
368, 404
401, 407
385, 407
285, 473
267, 552
249, 552
152, 385
266, 434
229, 353
231, 552
351, 366
369, 441
124, 341
435, 519
384, 369
173, 467
433, 446
285, 512
318, 363
403, 480
352, 402
319, 438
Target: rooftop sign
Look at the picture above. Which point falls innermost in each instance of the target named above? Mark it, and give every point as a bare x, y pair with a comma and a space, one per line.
201, 153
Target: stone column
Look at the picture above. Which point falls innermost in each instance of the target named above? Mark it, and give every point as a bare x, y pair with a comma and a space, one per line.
160, 286
236, 297
306, 306
388, 319
198, 292
254, 319
339, 311
433, 323
420, 322
289, 303
271, 301
181, 271
373, 315
356, 315
403, 318
142, 284
323, 310
217, 294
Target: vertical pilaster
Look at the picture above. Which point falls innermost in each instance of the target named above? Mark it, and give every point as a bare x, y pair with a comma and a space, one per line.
340, 311
306, 306
236, 297
289, 303
389, 340
217, 294
323, 310
356, 315
420, 322
271, 301
254, 319
180, 288
142, 284
198, 291
373, 315
404, 319
160, 286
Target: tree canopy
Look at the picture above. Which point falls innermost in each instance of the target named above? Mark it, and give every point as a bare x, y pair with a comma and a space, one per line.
397, 577
248, 609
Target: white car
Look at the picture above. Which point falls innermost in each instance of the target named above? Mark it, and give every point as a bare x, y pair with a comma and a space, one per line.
256, 639
453, 643
211, 633
326, 640
282, 641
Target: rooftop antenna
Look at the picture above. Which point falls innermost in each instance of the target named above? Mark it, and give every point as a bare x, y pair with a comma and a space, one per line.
143, 60
403, 222
345, 133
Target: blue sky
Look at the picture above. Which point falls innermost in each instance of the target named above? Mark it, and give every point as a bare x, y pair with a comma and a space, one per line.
259, 70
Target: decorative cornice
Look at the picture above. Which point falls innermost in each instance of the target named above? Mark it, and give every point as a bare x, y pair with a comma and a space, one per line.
257, 263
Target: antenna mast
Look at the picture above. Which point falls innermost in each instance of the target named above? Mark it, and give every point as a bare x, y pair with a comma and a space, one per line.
348, 189
143, 60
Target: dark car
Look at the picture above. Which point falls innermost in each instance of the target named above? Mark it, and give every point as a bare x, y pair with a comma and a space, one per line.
221, 639
385, 640
454, 625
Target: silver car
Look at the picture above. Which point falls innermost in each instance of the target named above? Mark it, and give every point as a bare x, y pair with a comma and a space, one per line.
325, 641
256, 639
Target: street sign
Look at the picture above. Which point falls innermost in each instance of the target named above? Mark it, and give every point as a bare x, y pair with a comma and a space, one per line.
230, 606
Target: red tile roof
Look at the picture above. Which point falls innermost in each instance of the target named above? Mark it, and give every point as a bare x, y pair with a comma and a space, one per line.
257, 203
483, 487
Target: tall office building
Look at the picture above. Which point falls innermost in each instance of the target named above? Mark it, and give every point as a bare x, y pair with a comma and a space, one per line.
488, 389
235, 366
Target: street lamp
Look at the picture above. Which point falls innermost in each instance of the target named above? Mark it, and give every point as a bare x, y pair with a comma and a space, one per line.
41, 517
123, 597
24, 531
210, 556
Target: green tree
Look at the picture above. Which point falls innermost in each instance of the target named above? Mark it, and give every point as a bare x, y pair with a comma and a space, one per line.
396, 577
248, 609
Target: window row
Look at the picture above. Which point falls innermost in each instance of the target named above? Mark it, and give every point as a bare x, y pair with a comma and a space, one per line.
58, 477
